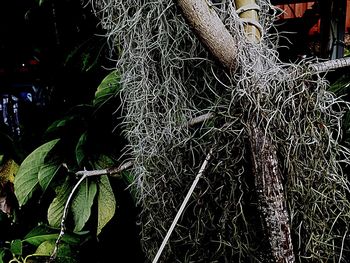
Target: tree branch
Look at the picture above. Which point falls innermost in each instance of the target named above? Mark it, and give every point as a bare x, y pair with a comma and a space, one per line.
330, 65
209, 28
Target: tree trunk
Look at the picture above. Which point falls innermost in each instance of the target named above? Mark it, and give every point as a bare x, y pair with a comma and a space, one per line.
271, 199
213, 34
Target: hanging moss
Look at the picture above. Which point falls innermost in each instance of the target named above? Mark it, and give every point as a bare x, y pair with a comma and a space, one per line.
168, 78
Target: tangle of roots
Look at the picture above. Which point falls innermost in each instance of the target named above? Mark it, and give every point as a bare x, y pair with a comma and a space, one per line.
168, 78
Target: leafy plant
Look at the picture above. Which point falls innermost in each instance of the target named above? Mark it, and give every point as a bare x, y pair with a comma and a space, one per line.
80, 140
38, 244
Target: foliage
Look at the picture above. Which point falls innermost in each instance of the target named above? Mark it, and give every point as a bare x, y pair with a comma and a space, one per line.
81, 140
75, 146
27, 179
38, 245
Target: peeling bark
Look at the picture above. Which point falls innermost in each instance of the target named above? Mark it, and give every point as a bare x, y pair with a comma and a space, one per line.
271, 199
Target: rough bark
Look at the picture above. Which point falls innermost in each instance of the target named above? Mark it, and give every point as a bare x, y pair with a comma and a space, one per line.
211, 31
271, 198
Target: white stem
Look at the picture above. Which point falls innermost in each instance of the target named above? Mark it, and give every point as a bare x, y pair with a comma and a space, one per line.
183, 205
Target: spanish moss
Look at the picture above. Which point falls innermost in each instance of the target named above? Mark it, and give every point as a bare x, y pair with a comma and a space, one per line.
168, 79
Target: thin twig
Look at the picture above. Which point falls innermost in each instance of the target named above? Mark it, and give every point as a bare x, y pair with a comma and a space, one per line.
330, 65
113, 171
183, 205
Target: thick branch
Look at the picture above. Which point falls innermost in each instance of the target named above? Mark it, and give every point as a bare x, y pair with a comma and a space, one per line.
209, 28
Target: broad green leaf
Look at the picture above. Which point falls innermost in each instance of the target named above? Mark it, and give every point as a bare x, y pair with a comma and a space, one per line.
106, 203
108, 87
79, 149
16, 247
45, 248
37, 240
64, 253
26, 180
56, 208
41, 233
82, 203
46, 173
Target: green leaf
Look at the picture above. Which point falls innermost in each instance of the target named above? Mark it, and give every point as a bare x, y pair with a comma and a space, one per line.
65, 124
80, 148
37, 240
56, 208
42, 233
108, 87
82, 203
46, 173
16, 247
58, 124
45, 248
26, 180
106, 203
64, 253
